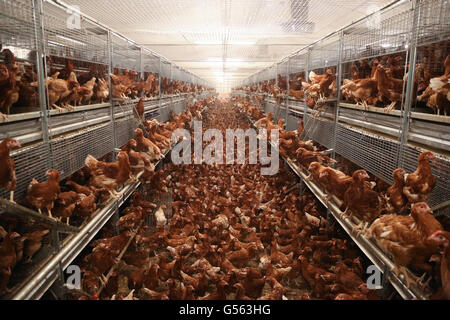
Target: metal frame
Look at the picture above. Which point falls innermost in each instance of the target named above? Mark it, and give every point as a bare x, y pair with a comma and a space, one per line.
369, 248
41, 128
400, 135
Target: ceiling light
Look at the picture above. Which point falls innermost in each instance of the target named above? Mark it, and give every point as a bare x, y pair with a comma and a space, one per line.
71, 40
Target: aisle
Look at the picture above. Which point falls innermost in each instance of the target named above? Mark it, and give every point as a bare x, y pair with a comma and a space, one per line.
233, 233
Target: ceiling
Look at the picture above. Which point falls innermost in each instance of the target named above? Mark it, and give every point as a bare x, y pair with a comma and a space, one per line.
224, 41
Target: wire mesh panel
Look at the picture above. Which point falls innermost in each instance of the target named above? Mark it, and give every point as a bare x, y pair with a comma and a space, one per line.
376, 154
165, 69
319, 129
17, 24
382, 33
270, 107
31, 163
125, 128
272, 73
164, 113
440, 168
153, 114
282, 72
434, 21
176, 73
18, 36
297, 70
83, 42
70, 150
126, 55
179, 106
325, 53
298, 63
293, 119
150, 62
433, 31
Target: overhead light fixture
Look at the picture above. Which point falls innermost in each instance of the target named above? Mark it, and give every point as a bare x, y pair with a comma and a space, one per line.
55, 43
71, 40
233, 43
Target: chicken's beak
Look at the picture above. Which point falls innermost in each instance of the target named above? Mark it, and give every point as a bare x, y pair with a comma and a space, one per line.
47, 173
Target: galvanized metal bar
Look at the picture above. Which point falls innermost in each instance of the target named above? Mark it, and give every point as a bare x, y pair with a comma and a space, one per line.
141, 67
38, 17
338, 92
110, 71
159, 86
288, 72
410, 85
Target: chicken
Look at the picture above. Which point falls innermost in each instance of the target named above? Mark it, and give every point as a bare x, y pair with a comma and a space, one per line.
33, 242
9, 91
58, 90
148, 86
101, 90
5, 274
306, 157
146, 147
88, 91
130, 221
113, 244
240, 292
109, 175
312, 273
8, 252
86, 205
161, 141
8, 177
420, 183
390, 88
65, 205
44, 194
334, 181
297, 94
8, 260
151, 277
140, 109
160, 217
361, 91
360, 200
219, 294
79, 188
137, 161
442, 240
395, 199
406, 237
277, 292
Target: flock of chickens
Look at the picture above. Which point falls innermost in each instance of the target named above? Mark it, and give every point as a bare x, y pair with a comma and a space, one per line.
79, 196
66, 89
232, 234
413, 240
380, 82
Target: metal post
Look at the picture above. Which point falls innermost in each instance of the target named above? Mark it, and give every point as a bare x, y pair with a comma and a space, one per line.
338, 92
288, 72
141, 66
159, 88
38, 19
111, 98
406, 114
305, 113
170, 81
